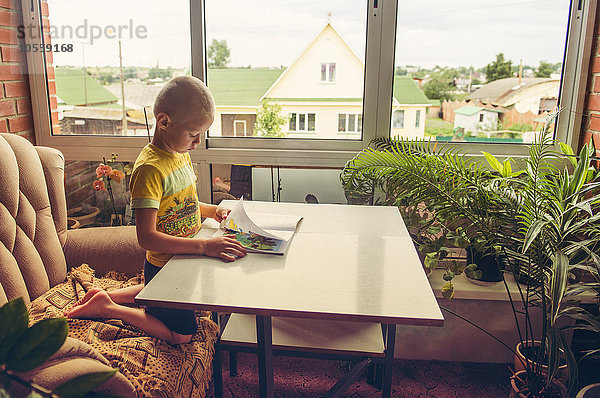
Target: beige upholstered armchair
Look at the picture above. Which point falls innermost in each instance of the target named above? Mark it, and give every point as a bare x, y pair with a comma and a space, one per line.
38, 260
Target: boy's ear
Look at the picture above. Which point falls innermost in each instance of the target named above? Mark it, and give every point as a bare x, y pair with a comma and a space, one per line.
163, 120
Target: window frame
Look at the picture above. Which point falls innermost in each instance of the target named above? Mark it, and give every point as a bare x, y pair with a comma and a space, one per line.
377, 99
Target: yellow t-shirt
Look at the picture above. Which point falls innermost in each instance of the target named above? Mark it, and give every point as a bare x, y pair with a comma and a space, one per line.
166, 182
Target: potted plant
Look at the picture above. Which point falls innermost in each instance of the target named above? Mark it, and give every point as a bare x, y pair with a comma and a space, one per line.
543, 219
84, 214
107, 172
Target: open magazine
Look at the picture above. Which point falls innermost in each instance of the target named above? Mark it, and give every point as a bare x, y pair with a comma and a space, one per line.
259, 232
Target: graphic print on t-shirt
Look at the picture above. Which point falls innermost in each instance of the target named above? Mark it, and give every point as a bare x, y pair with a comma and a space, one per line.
181, 219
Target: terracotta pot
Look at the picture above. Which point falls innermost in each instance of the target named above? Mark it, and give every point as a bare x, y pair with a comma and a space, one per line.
517, 390
86, 218
562, 375
72, 223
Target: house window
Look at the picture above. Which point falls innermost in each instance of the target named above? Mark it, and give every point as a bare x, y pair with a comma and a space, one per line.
398, 119
418, 119
239, 128
328, 72
349, 122
302, 122
481, 118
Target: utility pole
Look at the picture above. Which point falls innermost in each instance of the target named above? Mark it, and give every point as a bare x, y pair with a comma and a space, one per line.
520, 70
124, 132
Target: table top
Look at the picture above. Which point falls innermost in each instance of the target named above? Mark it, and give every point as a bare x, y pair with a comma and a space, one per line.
347, 263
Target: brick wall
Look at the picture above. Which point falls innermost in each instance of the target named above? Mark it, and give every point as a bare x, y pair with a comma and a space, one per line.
590, 129
15, 103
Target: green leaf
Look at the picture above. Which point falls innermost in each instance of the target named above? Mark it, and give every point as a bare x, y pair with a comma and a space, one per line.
81, 385
14, 319
493, 162
471, 271
37, 344
431, 260
507, 169
567, 150
448, 290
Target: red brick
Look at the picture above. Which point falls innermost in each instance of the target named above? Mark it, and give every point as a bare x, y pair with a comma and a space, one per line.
12, 54
56, 129
53, 103
23, 106
10, 72
595, 65
50, 71
595, 122
45, 11
8, 36
3, 127
52, 87
593, 102
1, 90
49, 58
7, 108
55, 118
16, 89
20, 123
7, 4
5, 18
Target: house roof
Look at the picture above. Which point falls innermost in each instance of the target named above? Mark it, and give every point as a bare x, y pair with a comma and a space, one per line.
501, 91
469, 110
406, 91
240, 86
70, 88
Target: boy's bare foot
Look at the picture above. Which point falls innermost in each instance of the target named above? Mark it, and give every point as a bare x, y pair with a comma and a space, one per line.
90, 293
99, 305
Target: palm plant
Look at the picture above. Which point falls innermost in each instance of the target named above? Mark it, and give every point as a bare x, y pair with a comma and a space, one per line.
544, 218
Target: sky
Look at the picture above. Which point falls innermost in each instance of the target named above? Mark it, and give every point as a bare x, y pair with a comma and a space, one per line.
272, 33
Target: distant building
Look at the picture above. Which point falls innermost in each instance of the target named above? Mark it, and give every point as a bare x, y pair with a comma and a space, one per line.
475, 118
321, 92
531, 94
87, 107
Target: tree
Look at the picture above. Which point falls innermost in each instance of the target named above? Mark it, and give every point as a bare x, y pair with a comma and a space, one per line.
156, 72
218, 54
544, 70
499, 69
439, 87
270, 120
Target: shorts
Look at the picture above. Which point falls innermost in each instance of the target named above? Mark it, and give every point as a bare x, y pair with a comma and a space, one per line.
178, 321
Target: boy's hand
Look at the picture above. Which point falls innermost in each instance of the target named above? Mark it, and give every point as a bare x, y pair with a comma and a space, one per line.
221, 213
224, 247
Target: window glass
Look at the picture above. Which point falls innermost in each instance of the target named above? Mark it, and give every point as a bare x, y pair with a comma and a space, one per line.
398, 119
351, 122
272, 183
311, 66
418, 118
454, 60
342, 122
106, 67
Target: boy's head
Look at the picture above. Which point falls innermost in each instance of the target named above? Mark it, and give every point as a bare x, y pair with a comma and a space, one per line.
184, 109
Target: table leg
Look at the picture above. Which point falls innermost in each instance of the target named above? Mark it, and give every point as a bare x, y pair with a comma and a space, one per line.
265, 355
390, 343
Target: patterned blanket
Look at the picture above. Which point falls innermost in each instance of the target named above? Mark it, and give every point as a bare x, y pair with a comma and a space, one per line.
155, 368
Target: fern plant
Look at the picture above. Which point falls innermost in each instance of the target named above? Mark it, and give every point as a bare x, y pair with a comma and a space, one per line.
545, 219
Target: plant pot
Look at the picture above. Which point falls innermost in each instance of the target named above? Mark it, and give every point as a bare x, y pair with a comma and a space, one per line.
519, 390
72, 223
489, 264
83, 219
591, 391
562, 374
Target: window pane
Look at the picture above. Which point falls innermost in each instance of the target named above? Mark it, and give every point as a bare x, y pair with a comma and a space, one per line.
302, 122
331, 72
359, 124
311, 122
418, 118
292, 122
512, 81
284, 51
398, 119
109, 66
351, 122
342, 122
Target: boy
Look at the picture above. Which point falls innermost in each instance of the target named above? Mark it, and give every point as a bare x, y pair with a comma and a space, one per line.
163, 192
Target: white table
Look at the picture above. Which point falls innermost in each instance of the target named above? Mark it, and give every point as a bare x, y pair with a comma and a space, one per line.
345, 263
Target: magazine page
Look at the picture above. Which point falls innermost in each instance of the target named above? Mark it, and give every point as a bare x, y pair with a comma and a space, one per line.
255, 238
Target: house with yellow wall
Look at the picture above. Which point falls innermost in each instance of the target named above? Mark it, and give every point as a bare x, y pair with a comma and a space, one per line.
321, 92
